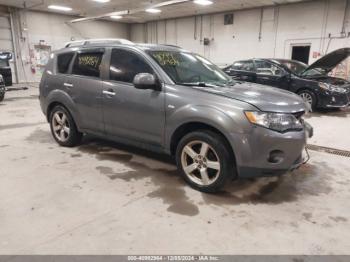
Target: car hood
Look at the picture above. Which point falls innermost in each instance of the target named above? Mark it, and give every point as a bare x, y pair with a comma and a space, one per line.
331, 60
265, 98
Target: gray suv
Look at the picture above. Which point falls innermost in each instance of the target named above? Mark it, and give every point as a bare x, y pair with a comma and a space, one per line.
163, 98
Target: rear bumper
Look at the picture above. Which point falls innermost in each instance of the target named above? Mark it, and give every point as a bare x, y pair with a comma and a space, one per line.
269, 153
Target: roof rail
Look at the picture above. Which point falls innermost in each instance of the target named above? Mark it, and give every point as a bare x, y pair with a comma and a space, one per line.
99, 41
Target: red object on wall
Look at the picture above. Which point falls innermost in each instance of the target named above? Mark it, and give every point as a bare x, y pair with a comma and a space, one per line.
316, 54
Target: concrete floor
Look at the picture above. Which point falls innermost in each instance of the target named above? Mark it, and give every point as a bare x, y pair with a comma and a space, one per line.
103, 198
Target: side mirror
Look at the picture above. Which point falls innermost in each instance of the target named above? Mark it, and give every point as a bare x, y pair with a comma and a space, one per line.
146, 81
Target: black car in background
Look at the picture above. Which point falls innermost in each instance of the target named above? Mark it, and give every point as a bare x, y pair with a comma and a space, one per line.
2, 88
5, 69
312, 83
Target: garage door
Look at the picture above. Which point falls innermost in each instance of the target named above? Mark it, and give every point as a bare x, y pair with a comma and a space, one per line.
5, 34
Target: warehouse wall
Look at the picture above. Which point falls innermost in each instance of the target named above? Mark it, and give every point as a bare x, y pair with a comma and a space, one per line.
32, 27
309, 23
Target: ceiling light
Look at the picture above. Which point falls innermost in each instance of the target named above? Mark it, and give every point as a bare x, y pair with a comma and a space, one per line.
203, 2
60, 8
116, 17
153, 10
102, 1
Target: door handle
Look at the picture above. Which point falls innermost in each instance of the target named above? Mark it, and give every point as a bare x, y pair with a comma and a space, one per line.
108, 92
68, 85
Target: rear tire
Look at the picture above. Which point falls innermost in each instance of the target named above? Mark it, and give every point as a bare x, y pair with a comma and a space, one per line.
63, 127
205, 162
2, 97
308, 97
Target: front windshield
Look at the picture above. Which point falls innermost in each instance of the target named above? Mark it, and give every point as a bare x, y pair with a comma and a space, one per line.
190, 69
315, 72
294, 66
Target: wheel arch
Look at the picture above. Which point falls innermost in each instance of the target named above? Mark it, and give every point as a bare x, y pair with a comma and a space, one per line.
310, 91
62, 99
193, 126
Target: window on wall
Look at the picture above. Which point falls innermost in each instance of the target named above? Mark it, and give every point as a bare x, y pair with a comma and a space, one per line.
125, 65
63, 62
88, 64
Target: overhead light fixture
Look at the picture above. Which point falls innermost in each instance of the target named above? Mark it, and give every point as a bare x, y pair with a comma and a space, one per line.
60, 8
153, 10
102, 1
203, 2
116, 17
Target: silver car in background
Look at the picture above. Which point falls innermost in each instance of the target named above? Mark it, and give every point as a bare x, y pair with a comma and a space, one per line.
169, 100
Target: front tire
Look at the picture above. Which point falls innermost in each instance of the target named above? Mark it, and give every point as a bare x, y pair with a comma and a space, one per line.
204, 159
309, 97
2, 97
63, 127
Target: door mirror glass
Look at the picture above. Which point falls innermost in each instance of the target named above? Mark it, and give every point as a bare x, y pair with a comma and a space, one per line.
146, 81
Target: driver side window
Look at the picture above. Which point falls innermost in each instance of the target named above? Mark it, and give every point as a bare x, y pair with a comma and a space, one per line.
125, 65
266, 68
244, 66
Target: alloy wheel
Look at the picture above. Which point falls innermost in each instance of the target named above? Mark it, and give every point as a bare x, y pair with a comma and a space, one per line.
200, 163
60, 126
307, 98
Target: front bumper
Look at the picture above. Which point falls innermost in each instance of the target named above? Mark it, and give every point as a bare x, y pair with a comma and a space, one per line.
264, 152
333, 100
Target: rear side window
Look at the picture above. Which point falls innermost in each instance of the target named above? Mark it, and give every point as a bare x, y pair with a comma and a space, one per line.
63, 62
125, 65
88, 64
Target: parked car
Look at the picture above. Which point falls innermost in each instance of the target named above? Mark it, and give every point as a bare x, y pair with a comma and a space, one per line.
166, 99
2, 88
5, 69
312, 83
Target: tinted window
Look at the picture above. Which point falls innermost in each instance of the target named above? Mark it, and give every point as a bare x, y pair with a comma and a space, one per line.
244, 66
125, 65
88, 64
63, 62
4, 63
267, 68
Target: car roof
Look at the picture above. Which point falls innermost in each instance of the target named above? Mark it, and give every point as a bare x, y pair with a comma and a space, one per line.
138, 46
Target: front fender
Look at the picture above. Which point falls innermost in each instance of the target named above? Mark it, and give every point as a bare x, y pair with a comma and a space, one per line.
225, 122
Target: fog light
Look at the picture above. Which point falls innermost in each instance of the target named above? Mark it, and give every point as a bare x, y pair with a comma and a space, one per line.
276, 156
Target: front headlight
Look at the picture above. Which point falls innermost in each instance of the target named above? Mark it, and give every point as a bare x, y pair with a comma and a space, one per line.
332, 88
276, 121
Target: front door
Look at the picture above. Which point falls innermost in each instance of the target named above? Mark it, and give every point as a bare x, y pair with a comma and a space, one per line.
85, 88
243, 71
129, 112
270, 74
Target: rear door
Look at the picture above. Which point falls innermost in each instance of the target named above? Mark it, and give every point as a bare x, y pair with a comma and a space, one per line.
84, 85
242, 70
129, 112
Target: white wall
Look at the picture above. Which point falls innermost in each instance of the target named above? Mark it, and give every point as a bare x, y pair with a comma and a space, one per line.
55, 31
282, 26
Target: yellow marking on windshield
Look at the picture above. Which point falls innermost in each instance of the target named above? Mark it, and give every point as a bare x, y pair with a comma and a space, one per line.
166, 59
